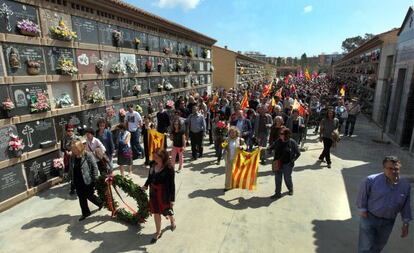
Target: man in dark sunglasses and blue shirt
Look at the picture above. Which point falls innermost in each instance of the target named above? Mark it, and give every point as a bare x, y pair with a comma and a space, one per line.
381, 197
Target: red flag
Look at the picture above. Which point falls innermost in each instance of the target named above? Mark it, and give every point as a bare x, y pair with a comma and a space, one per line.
279, 92
245, 101
267, 89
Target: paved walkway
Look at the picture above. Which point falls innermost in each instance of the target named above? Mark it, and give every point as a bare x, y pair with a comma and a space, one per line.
320, 217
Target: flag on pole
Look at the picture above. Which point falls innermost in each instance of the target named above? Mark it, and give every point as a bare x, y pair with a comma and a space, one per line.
245, 101
267, 89
279, 92
245, 167
296, 105
155, 141
307, 75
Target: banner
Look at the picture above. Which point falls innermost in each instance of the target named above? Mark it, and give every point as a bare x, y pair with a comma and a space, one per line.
245, 101
245, 167
155, 141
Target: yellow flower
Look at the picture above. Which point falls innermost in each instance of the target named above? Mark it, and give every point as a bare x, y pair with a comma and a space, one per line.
224, 144
61, 23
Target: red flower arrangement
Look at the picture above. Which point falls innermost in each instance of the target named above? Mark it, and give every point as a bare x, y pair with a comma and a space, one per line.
15, 143
221, 128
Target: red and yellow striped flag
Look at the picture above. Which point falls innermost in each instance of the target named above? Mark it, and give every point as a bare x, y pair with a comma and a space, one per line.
155, 141
245, 101
244, 172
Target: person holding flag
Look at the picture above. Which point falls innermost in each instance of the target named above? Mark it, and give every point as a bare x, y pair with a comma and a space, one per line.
230, 147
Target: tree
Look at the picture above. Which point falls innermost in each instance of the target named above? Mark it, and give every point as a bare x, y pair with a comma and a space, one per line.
352, 43
295, 61
303, 60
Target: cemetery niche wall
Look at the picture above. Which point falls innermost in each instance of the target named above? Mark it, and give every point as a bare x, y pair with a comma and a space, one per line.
72, 62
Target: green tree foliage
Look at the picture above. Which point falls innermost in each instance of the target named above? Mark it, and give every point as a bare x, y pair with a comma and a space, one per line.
352, 43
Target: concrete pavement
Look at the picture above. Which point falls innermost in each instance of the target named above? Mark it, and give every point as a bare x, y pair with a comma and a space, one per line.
320, 217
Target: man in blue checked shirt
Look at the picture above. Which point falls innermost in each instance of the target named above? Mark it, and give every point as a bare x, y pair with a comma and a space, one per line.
381, 197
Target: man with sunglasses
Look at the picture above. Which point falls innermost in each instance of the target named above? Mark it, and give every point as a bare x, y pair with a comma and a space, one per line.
65, 146
381, 197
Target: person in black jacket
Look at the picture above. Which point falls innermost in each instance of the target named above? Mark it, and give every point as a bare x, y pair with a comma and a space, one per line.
286, 153
85, 174
163, 121
162, 190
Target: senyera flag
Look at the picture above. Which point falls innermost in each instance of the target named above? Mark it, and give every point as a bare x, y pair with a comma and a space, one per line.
155, 141
245, 167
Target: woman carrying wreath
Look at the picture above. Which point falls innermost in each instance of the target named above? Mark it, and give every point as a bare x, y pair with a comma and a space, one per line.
162, 190
231, 146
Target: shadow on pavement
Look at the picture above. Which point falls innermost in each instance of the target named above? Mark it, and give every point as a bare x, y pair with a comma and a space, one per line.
126, 240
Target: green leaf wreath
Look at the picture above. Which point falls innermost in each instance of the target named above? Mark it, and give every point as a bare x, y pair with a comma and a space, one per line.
132, 190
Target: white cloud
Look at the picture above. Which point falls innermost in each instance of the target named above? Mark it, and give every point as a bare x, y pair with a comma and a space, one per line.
185, 4
308, 9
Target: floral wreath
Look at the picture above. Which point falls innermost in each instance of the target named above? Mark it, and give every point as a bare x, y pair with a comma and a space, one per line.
104, 187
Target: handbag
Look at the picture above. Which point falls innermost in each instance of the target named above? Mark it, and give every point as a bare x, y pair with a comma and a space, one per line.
127, 153
276, 165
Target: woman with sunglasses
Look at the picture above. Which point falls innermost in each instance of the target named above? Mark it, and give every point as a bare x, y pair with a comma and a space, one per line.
65, 146
162, 190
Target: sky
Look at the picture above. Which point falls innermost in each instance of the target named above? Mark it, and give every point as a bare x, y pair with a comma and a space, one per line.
281, 28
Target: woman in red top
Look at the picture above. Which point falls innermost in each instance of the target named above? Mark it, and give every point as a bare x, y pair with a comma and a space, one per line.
162, 190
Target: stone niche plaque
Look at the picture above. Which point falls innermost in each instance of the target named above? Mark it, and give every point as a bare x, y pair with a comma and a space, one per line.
109, 59
144, 105
5, 132
113, 88
127, 84
39, 170
51, 18
125, 58
154, 81
21, 95
145, 85
62, 92
128, 38
61, 121
175, 81
90, 117
16, 57
36, 132
143, 37
86, 29
141, 60
12, 12
86, 60
12, 182
106, 33
87, 87
53, 54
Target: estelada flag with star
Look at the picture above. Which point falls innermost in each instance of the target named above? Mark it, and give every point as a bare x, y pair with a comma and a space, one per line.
245, 167
155, 141
245, 102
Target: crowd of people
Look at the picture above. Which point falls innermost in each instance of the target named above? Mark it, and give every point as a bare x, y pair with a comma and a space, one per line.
272, 115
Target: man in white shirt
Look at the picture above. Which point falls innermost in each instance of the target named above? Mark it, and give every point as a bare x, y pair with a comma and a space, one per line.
134, 123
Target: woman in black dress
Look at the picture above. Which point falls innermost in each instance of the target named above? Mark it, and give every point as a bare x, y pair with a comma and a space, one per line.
162, 190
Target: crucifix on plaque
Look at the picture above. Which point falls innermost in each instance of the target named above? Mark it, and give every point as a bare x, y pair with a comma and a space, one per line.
6, 12
27, 130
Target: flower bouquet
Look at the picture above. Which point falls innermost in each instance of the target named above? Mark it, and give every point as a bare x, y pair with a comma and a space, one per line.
138, 108
204, 53
64, 101
62, 32
39, 103
8, 107
166, 50
118, 69
33, 67
58, 167
66, 67
136, 89
221, 128
171, 67
28, 27
188, 67
168, 86
148, 66
160, 87
131, 67
16, 145
189, 52
96, 97
179, 66
159, 66
117, 37
137, 42
99, 66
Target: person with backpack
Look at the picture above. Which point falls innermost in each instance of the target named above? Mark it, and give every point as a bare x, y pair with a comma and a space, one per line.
328, 135
286, 153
